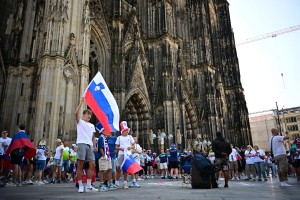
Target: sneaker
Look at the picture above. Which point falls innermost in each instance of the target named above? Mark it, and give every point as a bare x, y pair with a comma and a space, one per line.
117, 183
134, 185
233, 179
125, 186
53, 181
112, 187
41, 183
102, 188
12, 184
284, 184
105, 183
237, 178
9, 184
140, 179
46, 182
71, 180
91, 189
19, 184
259, 179
226, 186
81, 189
58, 182
265, 179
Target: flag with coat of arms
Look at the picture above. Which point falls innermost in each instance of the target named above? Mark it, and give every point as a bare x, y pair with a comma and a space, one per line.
103, 104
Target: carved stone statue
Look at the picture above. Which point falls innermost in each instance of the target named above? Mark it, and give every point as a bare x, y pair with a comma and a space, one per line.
151, 136
178, 136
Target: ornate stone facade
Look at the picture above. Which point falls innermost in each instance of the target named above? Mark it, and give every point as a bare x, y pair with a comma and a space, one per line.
171, 65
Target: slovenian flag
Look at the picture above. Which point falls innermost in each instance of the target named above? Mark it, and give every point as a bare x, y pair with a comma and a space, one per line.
129, 165
21, 140
103, 104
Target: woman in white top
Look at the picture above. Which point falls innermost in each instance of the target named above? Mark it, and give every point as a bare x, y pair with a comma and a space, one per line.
41, 156
250, 167
259, 161
57, 163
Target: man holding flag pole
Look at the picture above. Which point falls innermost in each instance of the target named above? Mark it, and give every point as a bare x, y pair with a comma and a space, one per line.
101, 101
86, 143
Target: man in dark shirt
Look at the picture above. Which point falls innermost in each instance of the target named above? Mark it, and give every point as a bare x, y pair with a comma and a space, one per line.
163, 160
222, 149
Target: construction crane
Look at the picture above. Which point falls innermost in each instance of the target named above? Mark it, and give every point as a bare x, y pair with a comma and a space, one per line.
269, 35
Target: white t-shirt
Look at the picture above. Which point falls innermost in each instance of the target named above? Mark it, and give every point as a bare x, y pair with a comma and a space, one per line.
258, 153
124, 142
211, 156
85, 132
136, 156
7, 141
232, 156
40, 153
142, 160
277, 146
58, 152
268, 160
251, 159
297, 154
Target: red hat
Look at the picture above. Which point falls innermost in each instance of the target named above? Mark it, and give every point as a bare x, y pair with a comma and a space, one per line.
124, 126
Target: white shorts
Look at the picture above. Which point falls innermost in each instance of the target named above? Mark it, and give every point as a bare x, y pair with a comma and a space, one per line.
104, 164
163, 166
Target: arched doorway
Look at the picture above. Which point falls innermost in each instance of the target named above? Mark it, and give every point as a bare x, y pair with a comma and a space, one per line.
137, 114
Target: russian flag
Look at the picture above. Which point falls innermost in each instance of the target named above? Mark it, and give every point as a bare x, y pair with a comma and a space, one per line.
103, 104
129, 165
21, 140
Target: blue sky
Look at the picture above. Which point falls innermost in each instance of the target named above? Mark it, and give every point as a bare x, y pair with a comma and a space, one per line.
262, 62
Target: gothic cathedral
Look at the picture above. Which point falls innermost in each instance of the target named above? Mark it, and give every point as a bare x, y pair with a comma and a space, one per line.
171, 65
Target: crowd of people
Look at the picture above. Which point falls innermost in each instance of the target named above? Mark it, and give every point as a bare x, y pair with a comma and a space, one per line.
92, 159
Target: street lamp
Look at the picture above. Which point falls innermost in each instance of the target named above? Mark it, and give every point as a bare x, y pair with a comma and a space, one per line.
208, 143
278, 119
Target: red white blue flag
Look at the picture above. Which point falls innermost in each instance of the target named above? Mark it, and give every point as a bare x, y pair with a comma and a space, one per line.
129, 165
103, 104
22, 142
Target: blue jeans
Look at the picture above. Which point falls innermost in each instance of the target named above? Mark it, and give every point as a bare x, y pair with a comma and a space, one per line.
66, 165
260, 168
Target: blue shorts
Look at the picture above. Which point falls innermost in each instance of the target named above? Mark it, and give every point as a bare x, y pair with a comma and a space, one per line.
55, 162
66, 165
40, 165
